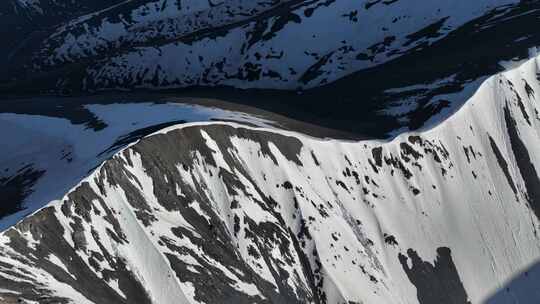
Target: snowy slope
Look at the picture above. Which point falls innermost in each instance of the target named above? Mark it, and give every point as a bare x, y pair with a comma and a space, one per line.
223, 213
46, 156
379, 63
249, 44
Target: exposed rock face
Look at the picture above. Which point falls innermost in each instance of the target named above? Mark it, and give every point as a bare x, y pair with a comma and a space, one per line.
221, 213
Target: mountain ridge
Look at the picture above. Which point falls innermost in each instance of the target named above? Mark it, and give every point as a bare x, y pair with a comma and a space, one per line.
446, 215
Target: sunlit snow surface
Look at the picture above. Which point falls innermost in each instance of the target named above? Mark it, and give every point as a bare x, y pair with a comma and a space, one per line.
68, 152
223, 213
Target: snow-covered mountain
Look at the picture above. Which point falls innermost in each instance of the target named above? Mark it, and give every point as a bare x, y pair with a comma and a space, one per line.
351, 54
162, 44
24, 21
224, 213
244, 43
45, 156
